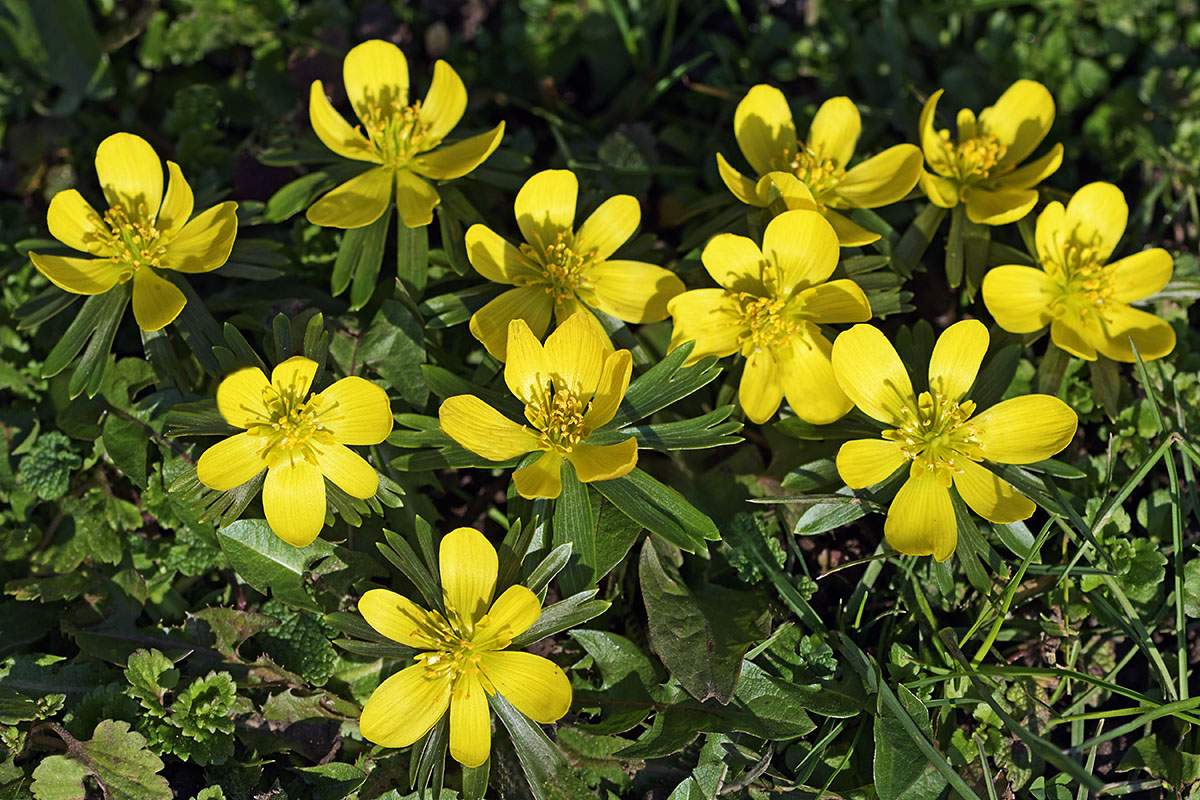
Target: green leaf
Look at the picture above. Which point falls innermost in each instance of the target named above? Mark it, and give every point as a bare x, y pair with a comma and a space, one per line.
394, 346
574, 525
902, 772
332, 781
660, 509
151, 675
663, 384
1191, 588
713, 429
269, 564
563, 615
360, 254
549, 774
915, 241
295, 196
125, 440
60, 778
115, 756
412, 256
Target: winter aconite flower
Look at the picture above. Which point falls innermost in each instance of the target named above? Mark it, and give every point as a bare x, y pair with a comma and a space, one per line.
561, 270
769, 308
300, 439
463, 658
398, 136
980, 168
766, 135
143, 232
1083, 298
570, 387
938, 437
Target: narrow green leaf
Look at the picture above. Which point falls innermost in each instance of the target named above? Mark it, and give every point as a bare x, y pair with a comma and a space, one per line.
573, 525
660, 509
412, 256
361, 251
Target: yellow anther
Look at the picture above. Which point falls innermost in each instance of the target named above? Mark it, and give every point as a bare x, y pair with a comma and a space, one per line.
558, 416
396, 132
972, 160
815, 170
937, 433
563, 267
766, 322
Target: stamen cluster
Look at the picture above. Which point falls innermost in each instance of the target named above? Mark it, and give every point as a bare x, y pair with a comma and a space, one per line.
396, 132
291, 426
1084, 284
766, 322
935, 434
972, 160
563, 268
815, 170
558, 416
129, 242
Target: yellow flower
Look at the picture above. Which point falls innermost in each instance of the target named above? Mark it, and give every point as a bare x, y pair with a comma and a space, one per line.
980, 169
142, 232
938, 437
769, 308
1084, 299
399, 138
570, 387
558, 269
463, 660
766, 135
299, 439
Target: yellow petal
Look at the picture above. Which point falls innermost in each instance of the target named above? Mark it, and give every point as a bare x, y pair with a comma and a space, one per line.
490, 323
942, 192
542, 478
792, 191
545, 205
231, 462
931, 143
405, 707
177, 205
241, 397
468, 566
1154, 337
871, 374
483, 430
633, 291
920, 521
882, 179
333, 130
294, 376
376, 75
470, 721
1096, 218
444, 103
956, 358
493, 257
204, 243
534, 685
603, 462
835, 302
835, 129
574, 355
866, 462
357, 202
849, 233
1051, 233
735, 262
510, 616
1077, 336
398, 618
294, 501
1025, 429
156, 301
808, 381
803, 245
526, 370
78, 275
1139, 275
761, 389
456, 160
131, 175
989, 495
1032, 173
998, 206
356, 411
74, 222
1020, 119
614, 382
609, 226
415, 199
1019, 297
743, 188
710, 318
349, 471
764, 129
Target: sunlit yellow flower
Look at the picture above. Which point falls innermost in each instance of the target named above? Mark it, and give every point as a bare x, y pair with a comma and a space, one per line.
1084, 299
463, 659
300, 439
399, 137
570, 387
769, 307
938, 436
980, 168
142, 232
766, 135
561, 270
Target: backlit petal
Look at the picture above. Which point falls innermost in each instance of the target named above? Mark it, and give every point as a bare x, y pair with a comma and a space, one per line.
490, 323
231, 462
376, 75
131, 175
603, 462
177, 205
526, 370
764, 129
866, 462
444, 103
73, 221
931, 142
396, 617
470, 721
534, 685
998, 206
415, 199
156, 301
956, 358
357, 202
1078, 337
1050, 233
1032, 173
849, 233
1153, 336
456, 160
835, 129
989, 495
1025, 429
609, 226
743, 188
294, 501
468, 565
542, 478
356, 411
871, 374
574, 355
1020, 119
941, 191
511, 615
1019, 297
761, 389
920, 521
808, 381
1139, 275
710, 318
204, 243
333, 130
837, 301
294, 376
792, 192
240, 397
545, 205
614, 382
882, 179
1096, 218
405, 707
349, 471
803, 245
483, 430
633, 291
493, 256
735, 262
78, 275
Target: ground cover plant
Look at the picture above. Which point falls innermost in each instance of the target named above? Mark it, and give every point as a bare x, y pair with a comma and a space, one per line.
598, 399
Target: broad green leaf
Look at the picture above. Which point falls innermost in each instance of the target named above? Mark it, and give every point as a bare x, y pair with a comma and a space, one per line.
660, 509
361, 253
269, 564
901, 770
394, 346
115, 756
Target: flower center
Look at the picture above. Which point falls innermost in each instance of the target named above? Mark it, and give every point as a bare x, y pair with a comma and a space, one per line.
129, 241
972, 160
766, 322
563, 269
396, 132
292, 429
820, 173
458, 645
936, 433
559, 417
1084, 286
